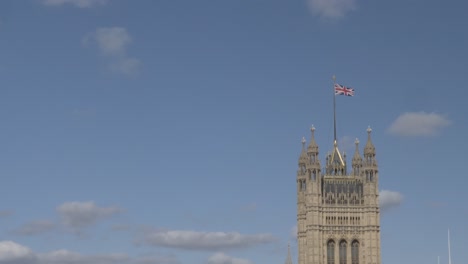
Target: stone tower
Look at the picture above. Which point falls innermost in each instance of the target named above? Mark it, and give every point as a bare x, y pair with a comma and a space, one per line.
338, 218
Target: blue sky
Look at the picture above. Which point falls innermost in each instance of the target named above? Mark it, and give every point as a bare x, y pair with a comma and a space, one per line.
169, 131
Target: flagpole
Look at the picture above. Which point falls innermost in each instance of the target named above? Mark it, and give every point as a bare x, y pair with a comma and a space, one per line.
450, 257
334, 110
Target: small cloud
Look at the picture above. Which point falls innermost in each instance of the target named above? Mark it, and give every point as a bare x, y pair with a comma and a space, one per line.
331, 8
418, 124
221, 258
77, 3
78, 215
6, 213
35, 227
389, 199
112, 43
193, 240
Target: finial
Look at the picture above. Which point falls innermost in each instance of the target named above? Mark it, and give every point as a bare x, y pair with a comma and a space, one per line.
369, 130
356, 142
312, 128
303, 142
335, 143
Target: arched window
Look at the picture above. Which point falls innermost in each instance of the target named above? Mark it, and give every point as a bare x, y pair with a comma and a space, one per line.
343, 245
355, 252
331, 252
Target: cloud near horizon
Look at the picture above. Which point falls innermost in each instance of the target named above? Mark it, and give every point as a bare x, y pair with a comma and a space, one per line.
207, 241
418, 124
332, 9
77, 3
14, 253
221, 258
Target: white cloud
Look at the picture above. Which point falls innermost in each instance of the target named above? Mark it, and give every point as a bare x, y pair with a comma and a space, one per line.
78, 215
113, 43
77, 3
221, 258
418, 124
69, 257
331, 8
389, 199
193, 240
35, 227
13, 253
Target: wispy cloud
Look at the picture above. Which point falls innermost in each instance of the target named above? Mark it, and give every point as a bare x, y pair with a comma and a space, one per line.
331, 8
13, 253
35, 227
77, 3
78, 215
193, 240
113, 43
221, 258
389, 199
6, 213
418, 124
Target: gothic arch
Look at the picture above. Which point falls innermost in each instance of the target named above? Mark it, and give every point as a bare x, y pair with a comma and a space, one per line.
343, 251
331, 251
355, 252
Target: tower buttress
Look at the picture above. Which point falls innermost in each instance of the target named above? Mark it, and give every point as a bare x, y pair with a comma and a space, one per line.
301, 180
313, 166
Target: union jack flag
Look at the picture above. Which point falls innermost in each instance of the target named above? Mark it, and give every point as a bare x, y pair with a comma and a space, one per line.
343, 90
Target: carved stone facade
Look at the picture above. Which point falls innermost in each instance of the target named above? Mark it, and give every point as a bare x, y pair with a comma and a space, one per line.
338, 218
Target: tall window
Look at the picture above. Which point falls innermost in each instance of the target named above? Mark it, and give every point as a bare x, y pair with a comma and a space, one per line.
343, 252
355, 252
331, 252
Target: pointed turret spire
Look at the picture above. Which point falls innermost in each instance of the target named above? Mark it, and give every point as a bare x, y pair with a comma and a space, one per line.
289, 258
313, 147
357, 156
369, 149
357, 159
303, 158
